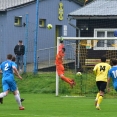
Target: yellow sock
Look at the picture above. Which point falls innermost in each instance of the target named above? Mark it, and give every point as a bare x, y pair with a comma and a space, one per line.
97, 96
99, 100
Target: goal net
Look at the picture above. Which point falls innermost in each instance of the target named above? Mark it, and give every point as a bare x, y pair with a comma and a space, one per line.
82, 54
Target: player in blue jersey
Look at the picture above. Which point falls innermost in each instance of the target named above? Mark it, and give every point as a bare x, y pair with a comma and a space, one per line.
8, 82
22, 99
113, 75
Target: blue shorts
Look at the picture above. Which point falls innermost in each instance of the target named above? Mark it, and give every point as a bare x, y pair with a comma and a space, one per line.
115, 87
8, 83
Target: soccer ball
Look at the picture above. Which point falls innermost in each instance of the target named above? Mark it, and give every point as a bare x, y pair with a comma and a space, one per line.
49, 26
78, 74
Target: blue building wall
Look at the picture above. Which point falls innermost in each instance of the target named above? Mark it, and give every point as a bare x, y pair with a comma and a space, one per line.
3, 46
48, 9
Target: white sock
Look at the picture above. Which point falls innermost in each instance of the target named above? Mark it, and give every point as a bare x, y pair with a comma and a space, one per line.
17, 97
96, 99
97, 105
3, 94
18, 92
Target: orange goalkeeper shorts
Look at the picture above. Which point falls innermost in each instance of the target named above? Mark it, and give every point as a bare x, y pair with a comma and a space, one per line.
60, 69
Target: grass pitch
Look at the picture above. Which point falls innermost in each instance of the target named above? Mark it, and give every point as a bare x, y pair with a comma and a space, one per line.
48, 105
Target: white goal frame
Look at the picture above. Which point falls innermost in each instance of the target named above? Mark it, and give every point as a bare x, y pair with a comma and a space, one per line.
78, 38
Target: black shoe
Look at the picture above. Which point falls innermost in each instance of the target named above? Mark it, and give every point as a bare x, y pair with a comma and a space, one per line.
22, 100
1, 100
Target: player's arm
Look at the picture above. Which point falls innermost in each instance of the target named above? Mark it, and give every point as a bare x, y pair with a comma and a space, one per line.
108, 84
16, 72
0, 70
95, 70
60, 56
108, 81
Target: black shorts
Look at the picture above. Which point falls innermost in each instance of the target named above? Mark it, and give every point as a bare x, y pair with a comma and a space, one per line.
101, 85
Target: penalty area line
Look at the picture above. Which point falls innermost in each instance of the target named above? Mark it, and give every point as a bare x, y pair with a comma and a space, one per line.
72, 96
18, 115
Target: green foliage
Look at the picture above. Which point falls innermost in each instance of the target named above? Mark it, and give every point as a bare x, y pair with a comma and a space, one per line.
39, 83
45, 82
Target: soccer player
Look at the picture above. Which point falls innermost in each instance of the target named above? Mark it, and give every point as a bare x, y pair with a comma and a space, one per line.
113, 75
13, 59
101, 72
60, 67
22, 99
8, 83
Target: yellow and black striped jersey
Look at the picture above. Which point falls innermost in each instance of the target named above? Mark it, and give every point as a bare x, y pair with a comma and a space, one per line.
101, 71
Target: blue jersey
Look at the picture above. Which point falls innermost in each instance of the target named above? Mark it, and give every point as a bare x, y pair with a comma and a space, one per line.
113, 74
15, 64
6, 68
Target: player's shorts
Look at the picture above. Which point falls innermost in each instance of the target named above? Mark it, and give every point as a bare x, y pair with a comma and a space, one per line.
115, 87
8, 83
101, 85
60, 69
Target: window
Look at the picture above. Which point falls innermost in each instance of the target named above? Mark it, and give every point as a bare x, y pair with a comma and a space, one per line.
18, 21
42, 23
104, 44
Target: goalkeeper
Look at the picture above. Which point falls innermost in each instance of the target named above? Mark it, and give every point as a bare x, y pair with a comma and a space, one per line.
60, 67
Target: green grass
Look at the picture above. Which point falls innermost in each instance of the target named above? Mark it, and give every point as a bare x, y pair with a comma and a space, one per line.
40, 100
45, 83
48, 105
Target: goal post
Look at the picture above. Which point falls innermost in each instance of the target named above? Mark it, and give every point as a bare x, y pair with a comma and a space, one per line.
94, 45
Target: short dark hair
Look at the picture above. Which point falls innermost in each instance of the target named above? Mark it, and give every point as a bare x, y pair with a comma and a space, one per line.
114, 61
9, 56
103, 59
20, 41
63, 49
13, 59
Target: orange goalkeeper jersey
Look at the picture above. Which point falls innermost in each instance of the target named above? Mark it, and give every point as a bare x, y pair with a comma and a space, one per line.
59, 58
61, 46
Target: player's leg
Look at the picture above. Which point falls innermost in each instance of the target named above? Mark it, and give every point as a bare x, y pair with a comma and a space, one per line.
1, 100
60, 71
13, 88
5, 90
21, 63
22, 99
2, 95
102, 90
98, 94
17, 97
68, 80
99, 100
96, 99
17, 61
